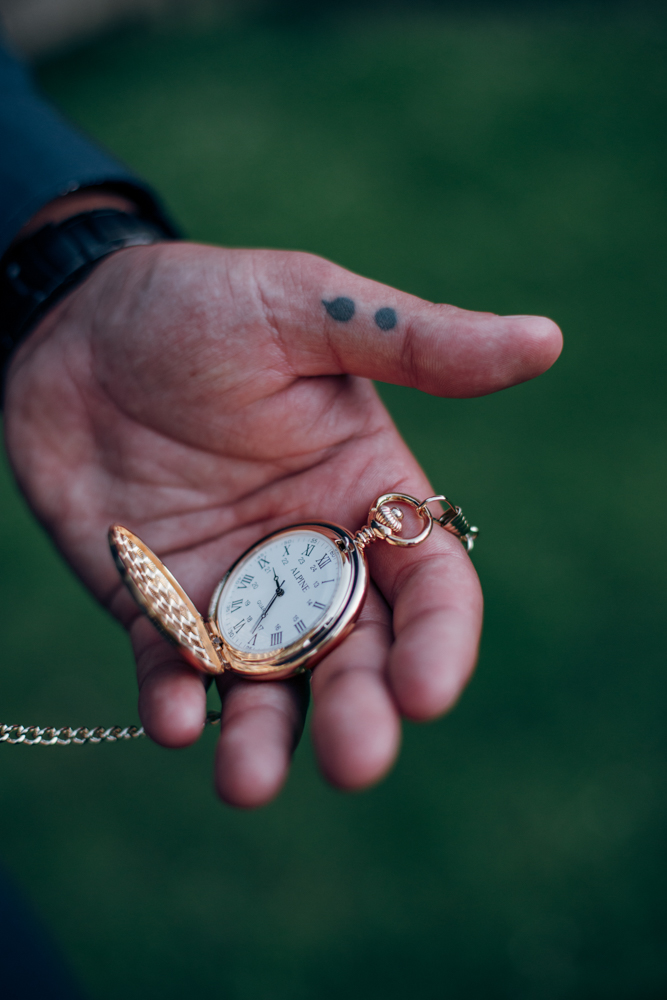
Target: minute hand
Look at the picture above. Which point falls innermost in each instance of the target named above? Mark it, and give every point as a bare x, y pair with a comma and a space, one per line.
266, 610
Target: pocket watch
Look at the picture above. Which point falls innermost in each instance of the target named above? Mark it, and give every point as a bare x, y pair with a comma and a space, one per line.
287, 601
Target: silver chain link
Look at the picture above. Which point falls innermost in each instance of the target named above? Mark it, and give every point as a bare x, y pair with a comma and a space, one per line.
49, 736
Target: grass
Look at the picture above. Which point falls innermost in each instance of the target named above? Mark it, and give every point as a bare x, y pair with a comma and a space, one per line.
509, 160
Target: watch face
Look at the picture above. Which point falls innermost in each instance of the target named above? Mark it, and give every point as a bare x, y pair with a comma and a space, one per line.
282, 592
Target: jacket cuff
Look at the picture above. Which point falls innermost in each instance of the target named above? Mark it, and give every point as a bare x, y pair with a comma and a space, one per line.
43, 156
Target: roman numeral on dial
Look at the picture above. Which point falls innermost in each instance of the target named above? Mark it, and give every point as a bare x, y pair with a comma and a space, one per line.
237, 605
324, 561
276, 638
245, 582
319, 605
239, 626
299, 626
309, 549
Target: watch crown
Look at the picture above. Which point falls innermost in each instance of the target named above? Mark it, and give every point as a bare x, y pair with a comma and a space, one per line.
391, 517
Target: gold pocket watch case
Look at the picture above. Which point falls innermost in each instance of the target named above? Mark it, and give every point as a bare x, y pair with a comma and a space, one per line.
316, 594
286, 602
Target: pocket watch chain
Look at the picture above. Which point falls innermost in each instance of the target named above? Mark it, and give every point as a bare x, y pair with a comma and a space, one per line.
384, 524
48, 736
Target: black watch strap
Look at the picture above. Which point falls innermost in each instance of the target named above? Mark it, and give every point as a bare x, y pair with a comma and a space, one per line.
39, 270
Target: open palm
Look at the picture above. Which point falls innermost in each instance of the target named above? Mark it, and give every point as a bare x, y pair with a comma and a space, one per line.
204, 397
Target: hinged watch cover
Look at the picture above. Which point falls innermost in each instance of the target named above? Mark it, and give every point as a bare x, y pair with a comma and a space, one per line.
163, 600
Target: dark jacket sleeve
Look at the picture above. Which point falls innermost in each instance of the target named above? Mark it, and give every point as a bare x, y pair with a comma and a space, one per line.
43, 156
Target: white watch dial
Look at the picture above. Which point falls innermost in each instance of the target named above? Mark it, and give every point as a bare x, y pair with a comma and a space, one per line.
280, 592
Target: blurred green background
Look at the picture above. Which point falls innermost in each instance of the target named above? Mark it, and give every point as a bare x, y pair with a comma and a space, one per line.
509, 159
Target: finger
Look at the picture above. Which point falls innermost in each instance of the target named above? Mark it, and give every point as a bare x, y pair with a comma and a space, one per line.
437, 616
172, 695
331, 321
261, 725
355, 725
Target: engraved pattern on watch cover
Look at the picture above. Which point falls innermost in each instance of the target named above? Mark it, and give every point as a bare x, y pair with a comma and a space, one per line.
163, 600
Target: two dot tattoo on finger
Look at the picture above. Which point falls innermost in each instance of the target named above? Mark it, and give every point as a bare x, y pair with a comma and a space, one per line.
343, 309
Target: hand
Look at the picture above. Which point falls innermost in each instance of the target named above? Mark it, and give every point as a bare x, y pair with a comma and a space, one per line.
205, 397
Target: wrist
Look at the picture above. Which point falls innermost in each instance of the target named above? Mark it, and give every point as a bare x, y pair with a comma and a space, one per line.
57, 250
74, 203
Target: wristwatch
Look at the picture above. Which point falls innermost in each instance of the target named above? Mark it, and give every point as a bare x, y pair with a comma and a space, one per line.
39, 270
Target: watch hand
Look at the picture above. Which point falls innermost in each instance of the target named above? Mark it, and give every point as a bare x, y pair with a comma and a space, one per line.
279, 593
279, 585
264, 613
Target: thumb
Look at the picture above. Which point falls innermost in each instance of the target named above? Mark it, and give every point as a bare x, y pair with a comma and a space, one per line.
333, 322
